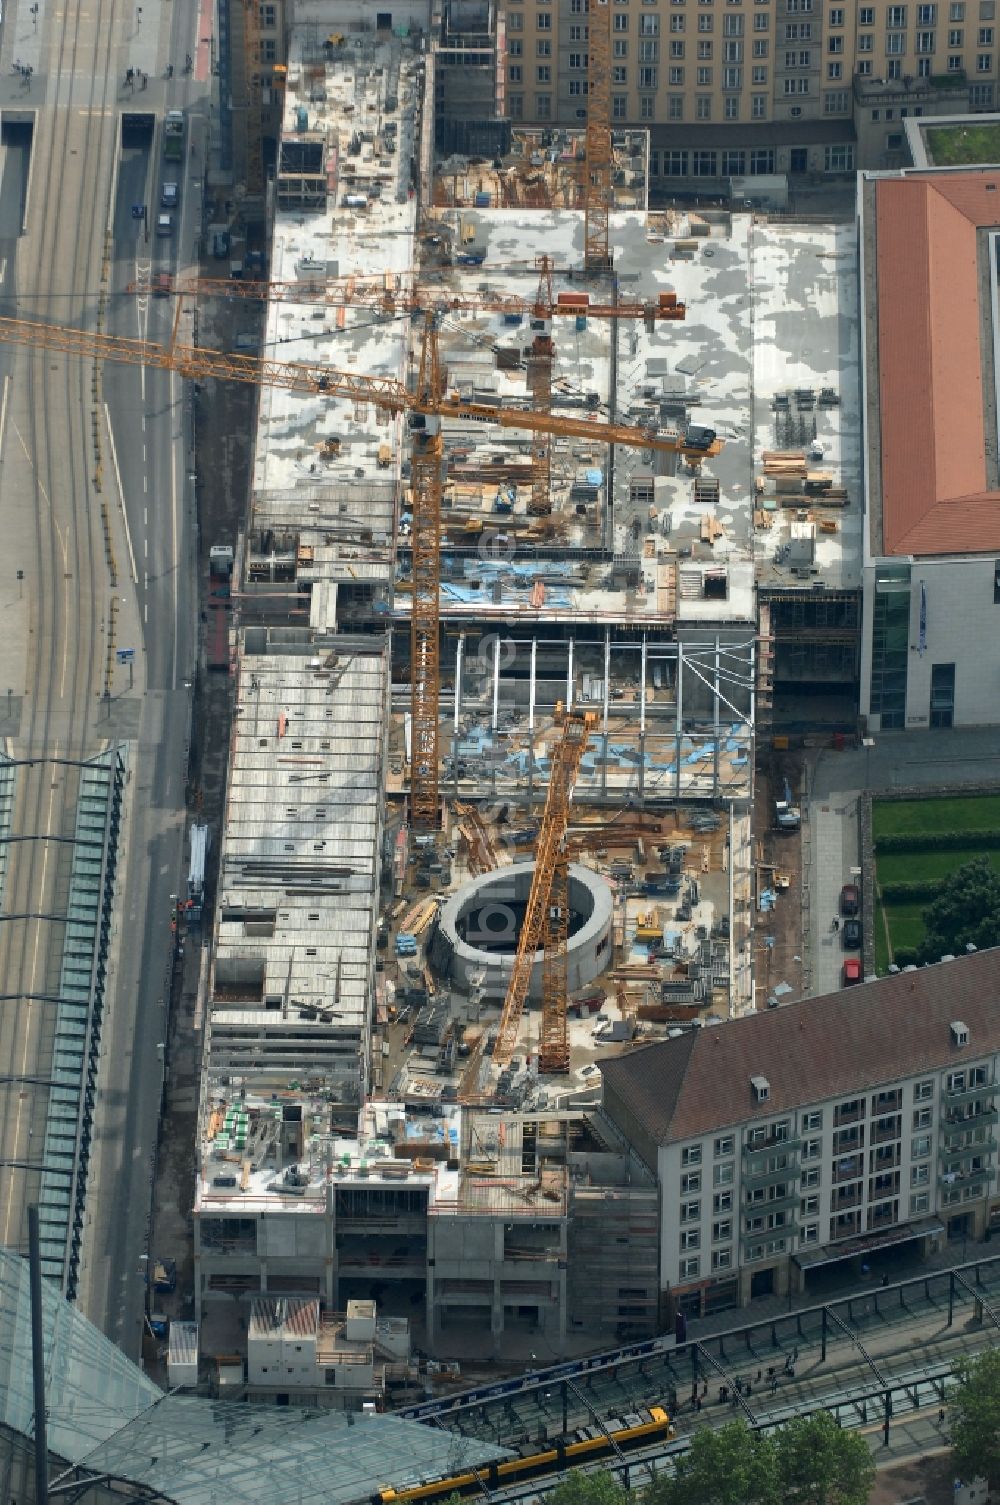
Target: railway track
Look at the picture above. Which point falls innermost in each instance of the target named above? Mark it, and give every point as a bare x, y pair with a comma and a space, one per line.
49, 468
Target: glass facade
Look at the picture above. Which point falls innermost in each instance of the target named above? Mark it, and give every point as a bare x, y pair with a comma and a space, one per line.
890, 644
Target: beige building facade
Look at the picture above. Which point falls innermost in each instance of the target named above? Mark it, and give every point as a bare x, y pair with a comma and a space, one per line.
729, 88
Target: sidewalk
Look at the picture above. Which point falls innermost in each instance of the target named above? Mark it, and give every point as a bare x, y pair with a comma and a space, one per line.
836, 1288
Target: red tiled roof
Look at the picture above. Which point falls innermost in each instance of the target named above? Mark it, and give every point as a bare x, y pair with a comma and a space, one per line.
934, 484
835, 1046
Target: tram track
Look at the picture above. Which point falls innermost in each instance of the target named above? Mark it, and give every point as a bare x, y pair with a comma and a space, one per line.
49, 467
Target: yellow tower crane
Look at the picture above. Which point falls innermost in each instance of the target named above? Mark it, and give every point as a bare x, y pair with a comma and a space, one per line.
546, 919
387, 394
599, 193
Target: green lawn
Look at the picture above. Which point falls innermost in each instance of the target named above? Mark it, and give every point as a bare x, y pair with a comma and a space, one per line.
895, 817
964, 145
892, 817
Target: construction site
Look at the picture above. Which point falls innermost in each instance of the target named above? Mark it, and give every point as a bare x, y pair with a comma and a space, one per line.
533, 470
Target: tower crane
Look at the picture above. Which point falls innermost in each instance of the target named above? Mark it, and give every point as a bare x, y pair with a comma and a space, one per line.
385, 393
396, 292
427, 406
599, 194
538, 369
546, 918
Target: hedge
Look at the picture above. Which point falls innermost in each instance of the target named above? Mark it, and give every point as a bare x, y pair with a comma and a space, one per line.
936, 841
906, 956
916, 888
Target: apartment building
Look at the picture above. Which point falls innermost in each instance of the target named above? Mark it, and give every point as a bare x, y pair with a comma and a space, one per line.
732, 88
800, 1137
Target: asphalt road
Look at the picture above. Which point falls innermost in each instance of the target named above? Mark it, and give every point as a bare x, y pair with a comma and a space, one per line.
149, 423
56, 628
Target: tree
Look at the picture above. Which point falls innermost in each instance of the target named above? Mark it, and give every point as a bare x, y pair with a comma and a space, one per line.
966, 911
601, 1488
821, 1464
975, 1418
729, 1465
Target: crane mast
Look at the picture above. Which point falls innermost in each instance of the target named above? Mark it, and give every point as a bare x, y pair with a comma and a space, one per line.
547, 916
599, 186
427, 458
539, 381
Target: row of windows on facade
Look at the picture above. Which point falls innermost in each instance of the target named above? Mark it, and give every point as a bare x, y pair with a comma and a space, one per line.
968, 1158
841, 1225
792, 31
896, 16
733, 74
850, 1110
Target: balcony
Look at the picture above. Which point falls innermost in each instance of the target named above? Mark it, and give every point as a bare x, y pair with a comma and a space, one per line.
757, 1180
957, 1123
849, 1168
955, 1181
960, 1152
853, 1199
769, 1236
780, 1204
969, 1094
887, 1135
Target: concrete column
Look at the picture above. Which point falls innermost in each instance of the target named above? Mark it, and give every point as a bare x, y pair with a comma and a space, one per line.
569, 676
679, 722
605, 709
496, 1312
716, 725
496, 681
430, 1300
642, 718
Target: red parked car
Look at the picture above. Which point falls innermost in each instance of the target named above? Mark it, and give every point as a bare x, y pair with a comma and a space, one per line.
852, 971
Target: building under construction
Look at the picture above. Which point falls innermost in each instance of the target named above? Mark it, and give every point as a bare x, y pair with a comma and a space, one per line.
527, 507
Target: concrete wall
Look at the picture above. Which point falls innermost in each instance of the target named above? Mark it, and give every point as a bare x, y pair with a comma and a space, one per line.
334, 13
588, 951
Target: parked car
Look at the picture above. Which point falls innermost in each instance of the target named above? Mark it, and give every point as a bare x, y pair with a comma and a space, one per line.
850, 899
851, 935
852, 971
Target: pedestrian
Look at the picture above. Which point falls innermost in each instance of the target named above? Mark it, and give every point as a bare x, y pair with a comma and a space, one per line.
145, 79
704, 1388
723, 1394
758, 1376
773, 1386
885, 1281
941, 1417
697, 1403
